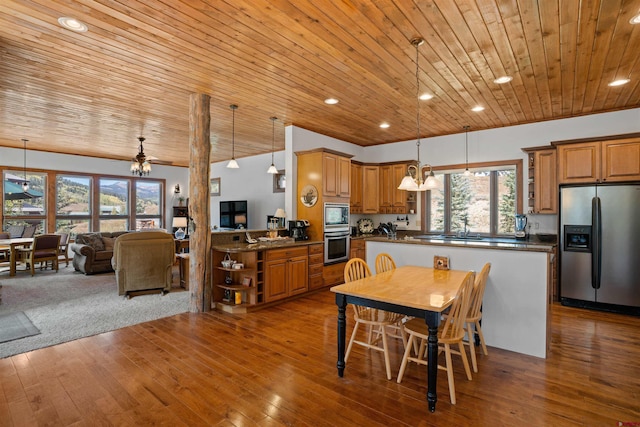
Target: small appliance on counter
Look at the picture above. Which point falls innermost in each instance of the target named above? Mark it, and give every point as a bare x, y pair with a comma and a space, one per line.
298, 229
521, 226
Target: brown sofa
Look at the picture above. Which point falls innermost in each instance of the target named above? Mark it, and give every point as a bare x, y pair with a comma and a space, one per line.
92, 252
144, 261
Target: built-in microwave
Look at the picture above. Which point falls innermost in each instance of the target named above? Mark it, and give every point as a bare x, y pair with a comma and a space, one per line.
336, 217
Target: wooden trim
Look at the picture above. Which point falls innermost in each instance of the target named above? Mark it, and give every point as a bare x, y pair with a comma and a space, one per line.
596, 138
323, 150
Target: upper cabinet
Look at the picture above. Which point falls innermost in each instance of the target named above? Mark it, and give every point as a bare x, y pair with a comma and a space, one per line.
370, 183
336, 178
542, 180
393, 200
355, 199
612, 160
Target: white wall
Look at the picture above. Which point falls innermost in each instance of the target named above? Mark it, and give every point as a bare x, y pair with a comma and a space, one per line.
13, 157
252, 183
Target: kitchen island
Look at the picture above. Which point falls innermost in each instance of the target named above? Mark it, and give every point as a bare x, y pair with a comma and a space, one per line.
518, 293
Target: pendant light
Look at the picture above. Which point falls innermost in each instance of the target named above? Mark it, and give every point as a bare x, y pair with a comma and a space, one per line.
467, 172
25, 183
272, 169
232, 163
140, 165
411, 182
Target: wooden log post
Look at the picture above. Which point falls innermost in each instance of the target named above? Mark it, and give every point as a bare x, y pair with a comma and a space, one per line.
200, 239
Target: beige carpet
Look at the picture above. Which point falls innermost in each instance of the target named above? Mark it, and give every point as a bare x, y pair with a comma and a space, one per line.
68, 305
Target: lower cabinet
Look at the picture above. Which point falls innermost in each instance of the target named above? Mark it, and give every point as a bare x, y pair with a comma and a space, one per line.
286, 272
316, 260
358, 249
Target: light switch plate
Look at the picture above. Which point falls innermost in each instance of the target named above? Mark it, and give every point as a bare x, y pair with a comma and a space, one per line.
441, 262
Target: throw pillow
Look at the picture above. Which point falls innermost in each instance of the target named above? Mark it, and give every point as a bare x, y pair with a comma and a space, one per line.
95, 241
108, 243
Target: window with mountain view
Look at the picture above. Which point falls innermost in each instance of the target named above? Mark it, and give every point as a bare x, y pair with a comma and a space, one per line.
25, 207
148, 204
73, 204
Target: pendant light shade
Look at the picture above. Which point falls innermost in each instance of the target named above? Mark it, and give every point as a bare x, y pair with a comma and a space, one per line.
25, 183
232, 163
467, 172
272, 169
413, 180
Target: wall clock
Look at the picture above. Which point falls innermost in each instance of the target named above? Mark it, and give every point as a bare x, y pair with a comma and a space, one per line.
309, 195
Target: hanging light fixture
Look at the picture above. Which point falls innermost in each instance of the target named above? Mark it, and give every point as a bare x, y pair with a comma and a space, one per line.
272, 169
25, 183
140, 165
232, 163
467, 172
413, 180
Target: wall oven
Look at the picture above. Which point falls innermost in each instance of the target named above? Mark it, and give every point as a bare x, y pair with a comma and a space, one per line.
336, 232
336, 246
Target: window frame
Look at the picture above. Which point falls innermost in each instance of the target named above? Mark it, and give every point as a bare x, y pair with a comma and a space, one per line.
493, 195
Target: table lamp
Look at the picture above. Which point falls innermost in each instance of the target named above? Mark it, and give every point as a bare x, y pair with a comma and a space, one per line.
180, 223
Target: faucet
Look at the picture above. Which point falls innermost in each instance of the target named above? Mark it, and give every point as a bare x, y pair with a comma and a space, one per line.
464, 234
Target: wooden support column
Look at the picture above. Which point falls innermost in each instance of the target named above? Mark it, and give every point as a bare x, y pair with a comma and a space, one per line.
199, 202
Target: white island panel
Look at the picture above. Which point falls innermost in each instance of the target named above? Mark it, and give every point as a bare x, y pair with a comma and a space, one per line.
516, 301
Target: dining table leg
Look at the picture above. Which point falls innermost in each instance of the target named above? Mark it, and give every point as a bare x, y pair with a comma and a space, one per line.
433, 320
341, 302
12, 261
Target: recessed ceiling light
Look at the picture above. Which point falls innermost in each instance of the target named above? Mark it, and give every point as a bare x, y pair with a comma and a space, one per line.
384, 125
331, 101
477, 108
73, 24
635, 19
425, 96
619, 82
502, 80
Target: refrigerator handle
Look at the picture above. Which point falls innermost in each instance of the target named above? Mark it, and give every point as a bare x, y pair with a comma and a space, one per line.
596, 248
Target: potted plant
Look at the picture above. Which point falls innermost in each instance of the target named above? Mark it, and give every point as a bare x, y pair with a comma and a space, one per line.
180, 201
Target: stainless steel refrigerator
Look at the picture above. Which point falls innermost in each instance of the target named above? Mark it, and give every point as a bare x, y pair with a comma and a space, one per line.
600, 247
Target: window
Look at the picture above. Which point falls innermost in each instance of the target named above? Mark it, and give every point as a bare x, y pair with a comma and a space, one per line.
25, 208
73, 204
484, 203
148, 204
114, 202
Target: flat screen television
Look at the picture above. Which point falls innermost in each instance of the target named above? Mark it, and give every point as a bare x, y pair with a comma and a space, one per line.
233, 214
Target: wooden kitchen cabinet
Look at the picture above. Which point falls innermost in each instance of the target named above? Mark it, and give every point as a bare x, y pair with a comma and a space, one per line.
370, 185
615, 160
336, 177
392, 200
316, 265
356, 196
542, 180
286, 272
358, 249
386, 193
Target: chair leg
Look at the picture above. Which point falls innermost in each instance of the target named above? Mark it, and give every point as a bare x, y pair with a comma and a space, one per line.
385, 350
479, 332
472, 348
351, 340
465, 362
405, 357
452, 387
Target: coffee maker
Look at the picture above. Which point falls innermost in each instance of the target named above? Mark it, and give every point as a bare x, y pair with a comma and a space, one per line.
298, 229
521, 226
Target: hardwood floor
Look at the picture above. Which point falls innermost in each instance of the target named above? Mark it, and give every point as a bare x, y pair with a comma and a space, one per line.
277, 367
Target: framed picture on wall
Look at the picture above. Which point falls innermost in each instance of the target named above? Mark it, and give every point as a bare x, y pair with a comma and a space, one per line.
215, 186
279, 181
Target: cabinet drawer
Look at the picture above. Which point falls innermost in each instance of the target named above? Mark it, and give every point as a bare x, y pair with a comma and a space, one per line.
316, 281
316, 259
315, 269
316, 249
286, 253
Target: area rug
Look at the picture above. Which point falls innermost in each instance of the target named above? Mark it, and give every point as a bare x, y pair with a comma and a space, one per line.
69, 305
14, 326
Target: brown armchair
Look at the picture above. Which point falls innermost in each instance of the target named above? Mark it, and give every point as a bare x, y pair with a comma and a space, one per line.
143, 261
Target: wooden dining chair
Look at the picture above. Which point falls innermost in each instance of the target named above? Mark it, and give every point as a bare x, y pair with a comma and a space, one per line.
63, 249
5, 251
45, 247
384, 262
451, 331
356, 269
475, 314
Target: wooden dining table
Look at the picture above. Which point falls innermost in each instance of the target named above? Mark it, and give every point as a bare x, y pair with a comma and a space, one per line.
411, 290
12, 244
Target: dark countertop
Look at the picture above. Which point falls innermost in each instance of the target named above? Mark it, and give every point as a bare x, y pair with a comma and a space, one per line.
533, 243
236, 247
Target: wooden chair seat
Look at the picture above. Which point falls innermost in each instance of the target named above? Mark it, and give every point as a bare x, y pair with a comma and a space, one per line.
44, 248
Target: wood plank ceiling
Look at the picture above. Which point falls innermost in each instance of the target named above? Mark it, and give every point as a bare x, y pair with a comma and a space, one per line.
131, 73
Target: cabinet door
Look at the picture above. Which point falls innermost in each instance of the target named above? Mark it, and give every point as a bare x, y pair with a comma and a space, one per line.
344, 176
330, 170
621, 160
298, 275
546, 187
386, 195
275, 280
579, 163
355, 197
370, 184
399, 196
